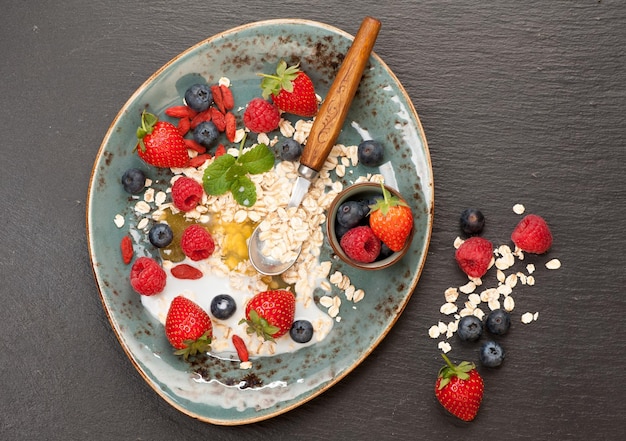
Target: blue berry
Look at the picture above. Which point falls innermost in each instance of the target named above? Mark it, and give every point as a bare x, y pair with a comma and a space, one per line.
498, 322
223, 306
370, 153
472, 221
199, 97
205, 133
301, 331
350, 213
290, 150
160, 235
133, 180
470, 328
491, 354
385, 251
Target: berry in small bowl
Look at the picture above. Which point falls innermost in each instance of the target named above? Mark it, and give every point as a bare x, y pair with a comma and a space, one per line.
370, 226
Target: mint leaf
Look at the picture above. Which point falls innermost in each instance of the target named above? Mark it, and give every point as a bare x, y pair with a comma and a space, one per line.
243, 191
236, 171
257, 160
215, 179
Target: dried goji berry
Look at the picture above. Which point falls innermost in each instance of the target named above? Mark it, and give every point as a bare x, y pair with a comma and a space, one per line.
126, 246
240, 346
218, 99
218, 119
184, 124
180, 112
220, 150
201, 117
199, 160
227, 97
184, 271
231, 126
195, 146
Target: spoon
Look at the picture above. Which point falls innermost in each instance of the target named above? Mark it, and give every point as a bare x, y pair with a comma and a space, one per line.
324, 132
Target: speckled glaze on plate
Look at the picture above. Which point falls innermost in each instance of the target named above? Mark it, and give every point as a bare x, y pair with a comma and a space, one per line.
215, 390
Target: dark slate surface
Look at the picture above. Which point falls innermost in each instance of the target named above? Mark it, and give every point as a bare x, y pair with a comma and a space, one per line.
521, 102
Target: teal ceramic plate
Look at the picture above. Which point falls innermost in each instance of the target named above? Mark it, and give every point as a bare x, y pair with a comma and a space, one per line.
215, 390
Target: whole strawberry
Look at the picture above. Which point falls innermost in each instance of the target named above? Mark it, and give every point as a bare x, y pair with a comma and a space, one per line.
459, 389
160, 143
188, 327
391, 220
532, 235
270, 314
474, 256
291, 90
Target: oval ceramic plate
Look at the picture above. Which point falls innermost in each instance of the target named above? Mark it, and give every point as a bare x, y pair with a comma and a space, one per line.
218, 391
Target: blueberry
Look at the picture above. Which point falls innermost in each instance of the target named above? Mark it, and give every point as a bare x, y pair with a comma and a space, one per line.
290, 150
340, 230
350, 213
301, 331
498, 322
370, 153
199, 97
470, 328
133, 180
160, 235
205, 133
472, 221
491, 354
223, 306
385, 251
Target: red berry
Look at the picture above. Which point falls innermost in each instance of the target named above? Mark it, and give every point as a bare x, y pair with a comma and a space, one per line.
184, 271
186, 193
220, 150
227, 97
231, 126
126, 247
474, 256
218, 119
197, 243
147, 277
361, 244
180, 112
240, 346
532, 235
199, 160
261, 116
188, 327
218, 99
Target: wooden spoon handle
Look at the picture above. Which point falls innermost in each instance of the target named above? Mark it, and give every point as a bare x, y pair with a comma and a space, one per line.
332, 113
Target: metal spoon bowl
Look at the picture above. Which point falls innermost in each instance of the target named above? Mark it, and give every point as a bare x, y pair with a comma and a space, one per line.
265, 264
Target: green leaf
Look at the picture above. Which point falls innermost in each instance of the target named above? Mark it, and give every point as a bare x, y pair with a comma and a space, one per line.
258, 160
244, 191
236, 171
215, 180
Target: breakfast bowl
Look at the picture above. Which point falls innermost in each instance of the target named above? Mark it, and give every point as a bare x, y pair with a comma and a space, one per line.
364, 194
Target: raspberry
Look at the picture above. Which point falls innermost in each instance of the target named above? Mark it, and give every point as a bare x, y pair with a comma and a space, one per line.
474, 256
197, 243
186, 193
361, 244
532, 235
147, 277
261, 116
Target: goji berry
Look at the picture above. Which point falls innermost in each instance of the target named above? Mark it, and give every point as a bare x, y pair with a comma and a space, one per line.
126, 246
195, 146
218, 119
220, 150
184, 271
240, 346
201, 117
227, 97
231, 126
218, 99
180, 112
199, 160
184, 124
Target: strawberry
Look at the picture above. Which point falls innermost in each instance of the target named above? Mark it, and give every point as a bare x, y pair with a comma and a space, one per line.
160, 143
188, 327
391, 220
270, 314
459, 389
532, 235
474, 256
291, 90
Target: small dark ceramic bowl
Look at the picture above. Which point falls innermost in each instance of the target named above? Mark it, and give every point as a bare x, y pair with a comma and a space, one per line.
363, 190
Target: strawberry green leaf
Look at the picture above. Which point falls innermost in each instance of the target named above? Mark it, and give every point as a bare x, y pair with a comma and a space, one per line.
244, 191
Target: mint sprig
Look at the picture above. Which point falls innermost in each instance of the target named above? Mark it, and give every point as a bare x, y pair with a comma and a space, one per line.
227, 173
